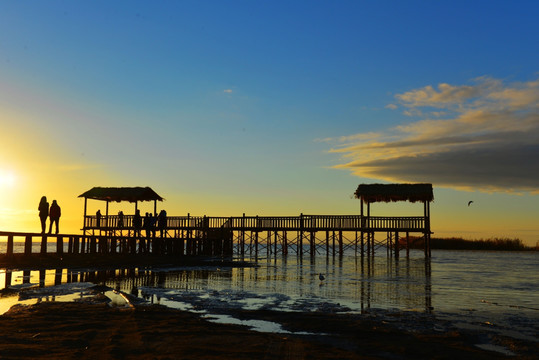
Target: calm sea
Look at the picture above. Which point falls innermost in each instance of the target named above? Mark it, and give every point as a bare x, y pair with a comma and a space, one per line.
472, 289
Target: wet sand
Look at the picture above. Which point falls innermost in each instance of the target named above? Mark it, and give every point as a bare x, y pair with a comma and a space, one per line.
94, 330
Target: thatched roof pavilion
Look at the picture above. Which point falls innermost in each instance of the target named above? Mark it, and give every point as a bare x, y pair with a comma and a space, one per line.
370, 193
118, 194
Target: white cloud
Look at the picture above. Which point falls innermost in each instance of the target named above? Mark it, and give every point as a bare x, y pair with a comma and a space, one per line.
228, 91
488, 138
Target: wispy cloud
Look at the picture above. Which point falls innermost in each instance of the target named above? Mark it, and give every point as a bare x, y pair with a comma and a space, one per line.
228, 91
480, 136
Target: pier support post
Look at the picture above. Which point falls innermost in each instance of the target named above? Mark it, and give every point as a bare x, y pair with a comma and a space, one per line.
285, 243
327, 243
369, 244
312, 242
355, 243
388, 242
362, 248
341, 248
301, 235
276, 237
397, 246
256, 244
113, 244
407, 244
333, 242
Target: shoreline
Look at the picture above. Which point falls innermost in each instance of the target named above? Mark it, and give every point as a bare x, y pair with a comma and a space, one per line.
91, 328
111, 261
325, 324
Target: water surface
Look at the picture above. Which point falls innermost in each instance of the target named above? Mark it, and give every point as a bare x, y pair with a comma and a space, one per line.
470, 289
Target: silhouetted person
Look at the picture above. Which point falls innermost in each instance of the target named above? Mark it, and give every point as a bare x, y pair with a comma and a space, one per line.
54, 213
153, 223
137, 223
162, 222
120, 219
147, 225
98, 218
43, 213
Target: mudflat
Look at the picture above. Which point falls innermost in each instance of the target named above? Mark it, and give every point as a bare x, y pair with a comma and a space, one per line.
56, 330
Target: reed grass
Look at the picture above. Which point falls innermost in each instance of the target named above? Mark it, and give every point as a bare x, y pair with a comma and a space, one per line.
457, 243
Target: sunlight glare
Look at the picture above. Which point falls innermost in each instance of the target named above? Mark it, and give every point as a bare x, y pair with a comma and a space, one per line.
7, 179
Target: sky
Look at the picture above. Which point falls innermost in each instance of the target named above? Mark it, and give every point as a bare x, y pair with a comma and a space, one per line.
273, 108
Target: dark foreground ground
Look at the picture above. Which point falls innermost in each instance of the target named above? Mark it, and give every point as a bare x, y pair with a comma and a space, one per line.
54, 330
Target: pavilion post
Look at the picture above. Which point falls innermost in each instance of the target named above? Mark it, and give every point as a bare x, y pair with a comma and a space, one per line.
370, 236
362, 226
107, 215
84, 218
426, 228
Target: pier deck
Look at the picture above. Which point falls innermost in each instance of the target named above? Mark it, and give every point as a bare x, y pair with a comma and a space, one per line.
228, 236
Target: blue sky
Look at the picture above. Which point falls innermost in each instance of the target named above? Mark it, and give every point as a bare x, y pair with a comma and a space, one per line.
273, 108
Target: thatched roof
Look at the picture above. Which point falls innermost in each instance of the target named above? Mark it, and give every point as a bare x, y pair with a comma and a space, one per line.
394, 192
131, 194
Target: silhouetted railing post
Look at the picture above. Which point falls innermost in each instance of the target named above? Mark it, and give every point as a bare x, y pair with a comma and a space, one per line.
28, 245
59, 245
9, 249
44, 244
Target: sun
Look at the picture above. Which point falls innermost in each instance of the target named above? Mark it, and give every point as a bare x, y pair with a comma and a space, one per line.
7, 179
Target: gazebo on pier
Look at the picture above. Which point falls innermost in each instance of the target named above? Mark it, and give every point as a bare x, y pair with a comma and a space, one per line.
371, 193
117, 194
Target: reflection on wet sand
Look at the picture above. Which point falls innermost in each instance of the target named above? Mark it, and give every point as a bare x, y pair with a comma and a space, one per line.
354, 283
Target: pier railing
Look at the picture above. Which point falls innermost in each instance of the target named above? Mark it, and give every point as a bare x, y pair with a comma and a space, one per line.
268, 223
216, 236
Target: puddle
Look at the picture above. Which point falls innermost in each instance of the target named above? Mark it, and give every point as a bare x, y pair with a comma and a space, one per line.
117, 299
30, 295
496, 348
256, 325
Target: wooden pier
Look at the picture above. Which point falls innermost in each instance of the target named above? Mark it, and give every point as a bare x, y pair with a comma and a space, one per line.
227, 236
252, 236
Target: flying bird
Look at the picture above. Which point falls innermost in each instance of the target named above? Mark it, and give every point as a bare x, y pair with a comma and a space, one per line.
469, 202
